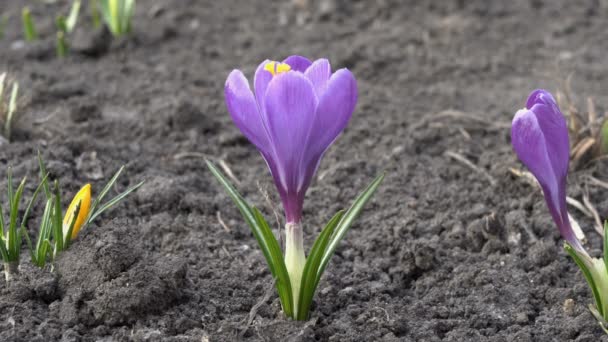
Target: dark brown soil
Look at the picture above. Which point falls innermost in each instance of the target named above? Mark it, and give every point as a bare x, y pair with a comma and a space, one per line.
442, 253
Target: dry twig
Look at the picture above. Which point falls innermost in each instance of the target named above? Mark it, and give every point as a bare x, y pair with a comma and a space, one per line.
254, 310
460, 158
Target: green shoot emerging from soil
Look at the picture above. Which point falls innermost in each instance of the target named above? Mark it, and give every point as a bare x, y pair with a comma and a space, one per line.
117, 14
297, 305
8, 105
10, 229
65, 26
29, 30
58, 229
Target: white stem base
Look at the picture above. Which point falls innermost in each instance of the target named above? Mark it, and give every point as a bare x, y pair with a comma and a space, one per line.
10, 269
295, 259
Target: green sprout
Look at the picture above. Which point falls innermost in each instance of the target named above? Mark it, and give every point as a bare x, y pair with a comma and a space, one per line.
58, 229
29, 30
3, 22
95, 17
117, 15
604, 137
595, 271
65, 26
297, 305
7, 109
11, 233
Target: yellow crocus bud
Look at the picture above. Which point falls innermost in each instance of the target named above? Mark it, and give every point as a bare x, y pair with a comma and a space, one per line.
83, 197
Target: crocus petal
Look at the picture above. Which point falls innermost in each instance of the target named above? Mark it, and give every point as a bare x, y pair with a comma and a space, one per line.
553, 125
82, 199
319, 73
298, 63
539, 96
243, 109
537, 151
260, 83
333, 113
335, 109
290, 108
299, 108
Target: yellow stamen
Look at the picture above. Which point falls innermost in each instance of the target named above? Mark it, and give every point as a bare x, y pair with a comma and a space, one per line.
276, 68
83, 197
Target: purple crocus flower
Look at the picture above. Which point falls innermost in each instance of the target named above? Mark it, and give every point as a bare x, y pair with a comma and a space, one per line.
539, 136
296, 111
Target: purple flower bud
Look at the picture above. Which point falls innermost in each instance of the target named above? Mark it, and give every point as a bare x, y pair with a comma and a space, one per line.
539, 135
298, 110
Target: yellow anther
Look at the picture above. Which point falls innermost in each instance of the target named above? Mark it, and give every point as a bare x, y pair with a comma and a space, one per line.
276, 68
83, 197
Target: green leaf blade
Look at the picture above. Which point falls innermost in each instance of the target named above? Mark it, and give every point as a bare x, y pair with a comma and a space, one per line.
588, 275
606, 245
72, 19
57, 220
113, 202
346, 221
311, 268
277, 265
265, 239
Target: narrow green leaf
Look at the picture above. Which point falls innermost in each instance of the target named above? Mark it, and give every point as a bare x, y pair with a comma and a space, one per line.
106, 15
94, 5
43, 252
31, 202
72, 19
46, 226
128, 15
14, 237
44, 176
2, 83
309, 274
3, 21
2, 226
278, 267
28, 241
29, 30
267, 243
345, 223
117, 15
600, 320
587, 273
12, 107
103, 193
113, 202
4, 252
61, 24
23, 230
3, 243
10, 189
57, 220
606, 245
61, 46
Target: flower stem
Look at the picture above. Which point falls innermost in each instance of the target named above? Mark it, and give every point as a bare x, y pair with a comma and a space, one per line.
294, 257
11, 268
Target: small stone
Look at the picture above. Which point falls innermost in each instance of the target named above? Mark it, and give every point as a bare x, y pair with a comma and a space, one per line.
569, 307
424, 256
346, 292
521, 318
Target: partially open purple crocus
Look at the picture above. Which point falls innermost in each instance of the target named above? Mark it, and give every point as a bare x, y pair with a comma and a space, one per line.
298, 110
539, 136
